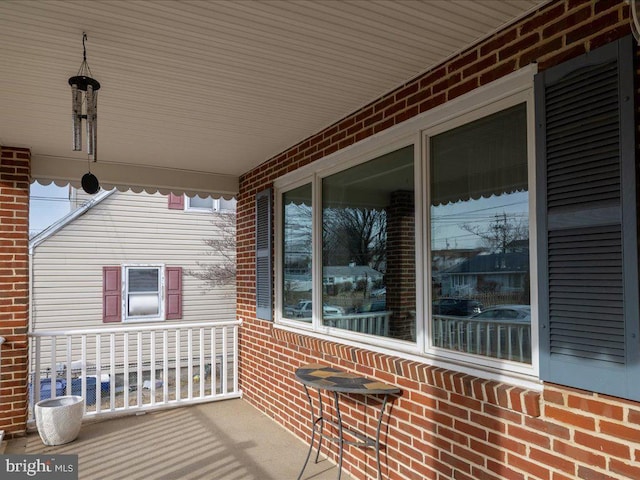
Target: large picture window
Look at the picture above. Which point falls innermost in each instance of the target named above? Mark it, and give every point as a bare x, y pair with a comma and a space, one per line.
368, 247
418, 242
479, 237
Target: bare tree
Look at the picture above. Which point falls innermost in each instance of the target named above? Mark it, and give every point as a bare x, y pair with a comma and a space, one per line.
222, 271
354, 235
501, 233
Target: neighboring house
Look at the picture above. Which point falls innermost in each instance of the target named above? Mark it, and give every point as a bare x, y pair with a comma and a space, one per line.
124, 257
494, 272
352, 275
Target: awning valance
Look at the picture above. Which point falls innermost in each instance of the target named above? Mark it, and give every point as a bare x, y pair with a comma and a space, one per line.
64, 171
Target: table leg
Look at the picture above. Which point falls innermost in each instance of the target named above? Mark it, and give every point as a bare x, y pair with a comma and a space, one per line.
320, 421
314, 422
340, 433
317, 426
377, 440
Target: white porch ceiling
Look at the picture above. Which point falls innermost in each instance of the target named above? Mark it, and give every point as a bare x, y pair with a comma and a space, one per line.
196, 93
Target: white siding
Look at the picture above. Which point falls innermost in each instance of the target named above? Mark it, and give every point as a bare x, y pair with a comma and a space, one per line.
125, 228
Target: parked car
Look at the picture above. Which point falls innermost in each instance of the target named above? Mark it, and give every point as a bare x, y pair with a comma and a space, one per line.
518, 313
304, 307
374, 306
457, 307
379, 292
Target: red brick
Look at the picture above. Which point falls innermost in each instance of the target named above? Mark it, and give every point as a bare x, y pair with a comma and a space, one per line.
563, 24
620, 431
571, 418
579, 454
538, 471
602, 445
528, 436
553, 461
602, 409
586, 473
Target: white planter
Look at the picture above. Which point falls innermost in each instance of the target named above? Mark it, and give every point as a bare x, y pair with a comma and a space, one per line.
59, 419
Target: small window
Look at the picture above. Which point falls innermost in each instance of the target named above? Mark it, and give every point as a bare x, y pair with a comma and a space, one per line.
209, 204
143, 293
200, 204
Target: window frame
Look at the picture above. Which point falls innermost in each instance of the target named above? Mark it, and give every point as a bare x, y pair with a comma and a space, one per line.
125, 294
215, 205
511, 90
525, 97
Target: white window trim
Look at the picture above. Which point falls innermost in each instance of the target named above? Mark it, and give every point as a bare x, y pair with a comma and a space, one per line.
499, 95
125, 289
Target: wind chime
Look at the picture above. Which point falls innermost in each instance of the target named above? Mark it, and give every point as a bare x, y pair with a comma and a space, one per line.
84, 97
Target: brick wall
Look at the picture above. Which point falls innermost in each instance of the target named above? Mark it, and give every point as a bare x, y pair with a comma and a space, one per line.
446, 425
15, 164
401, 265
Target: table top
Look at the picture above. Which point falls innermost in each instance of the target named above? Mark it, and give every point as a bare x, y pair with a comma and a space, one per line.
336, 380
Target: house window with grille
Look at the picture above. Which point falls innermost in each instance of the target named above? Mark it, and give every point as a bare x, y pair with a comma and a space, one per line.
143, 293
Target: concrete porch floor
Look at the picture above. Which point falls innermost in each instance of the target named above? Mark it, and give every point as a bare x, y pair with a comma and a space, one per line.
225, 440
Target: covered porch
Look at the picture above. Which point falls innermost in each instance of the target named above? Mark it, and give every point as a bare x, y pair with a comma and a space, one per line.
225, 440
310, 97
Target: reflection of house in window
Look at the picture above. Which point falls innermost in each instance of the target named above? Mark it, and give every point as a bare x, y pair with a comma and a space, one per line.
351, 277
493, 272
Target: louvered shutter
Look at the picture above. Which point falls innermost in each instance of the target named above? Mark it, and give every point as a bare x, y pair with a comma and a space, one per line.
587, 245
264, 309
173, 287
176, 202
111, 294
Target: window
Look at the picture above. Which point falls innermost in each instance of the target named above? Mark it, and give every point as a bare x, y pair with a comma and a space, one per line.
200, 204
368, 245
479, 236
497, 251
402, 241
197, 203
142, 293
208, 204
297, 253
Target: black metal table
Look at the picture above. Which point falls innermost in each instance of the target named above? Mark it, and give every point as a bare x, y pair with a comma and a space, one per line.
322, 377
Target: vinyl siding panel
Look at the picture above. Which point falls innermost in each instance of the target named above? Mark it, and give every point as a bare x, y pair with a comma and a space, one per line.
125, 228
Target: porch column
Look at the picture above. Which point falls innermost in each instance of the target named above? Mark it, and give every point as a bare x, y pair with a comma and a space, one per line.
401, 265
15, 175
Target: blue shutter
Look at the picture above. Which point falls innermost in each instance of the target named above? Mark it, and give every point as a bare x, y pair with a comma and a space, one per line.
264, 307
587, 238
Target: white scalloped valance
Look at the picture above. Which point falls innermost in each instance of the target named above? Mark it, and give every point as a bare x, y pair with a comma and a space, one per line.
138, 178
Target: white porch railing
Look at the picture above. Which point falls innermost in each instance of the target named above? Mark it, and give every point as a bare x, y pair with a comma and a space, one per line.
502, 339
374, 323
132, 368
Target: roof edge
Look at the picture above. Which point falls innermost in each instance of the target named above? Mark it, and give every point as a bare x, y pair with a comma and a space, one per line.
68, 218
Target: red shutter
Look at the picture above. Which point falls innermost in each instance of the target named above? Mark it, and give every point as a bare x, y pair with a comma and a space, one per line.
173, 282
111, 294
176, 202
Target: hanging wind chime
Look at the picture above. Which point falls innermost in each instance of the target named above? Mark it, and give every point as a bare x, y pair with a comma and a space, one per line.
84, 95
